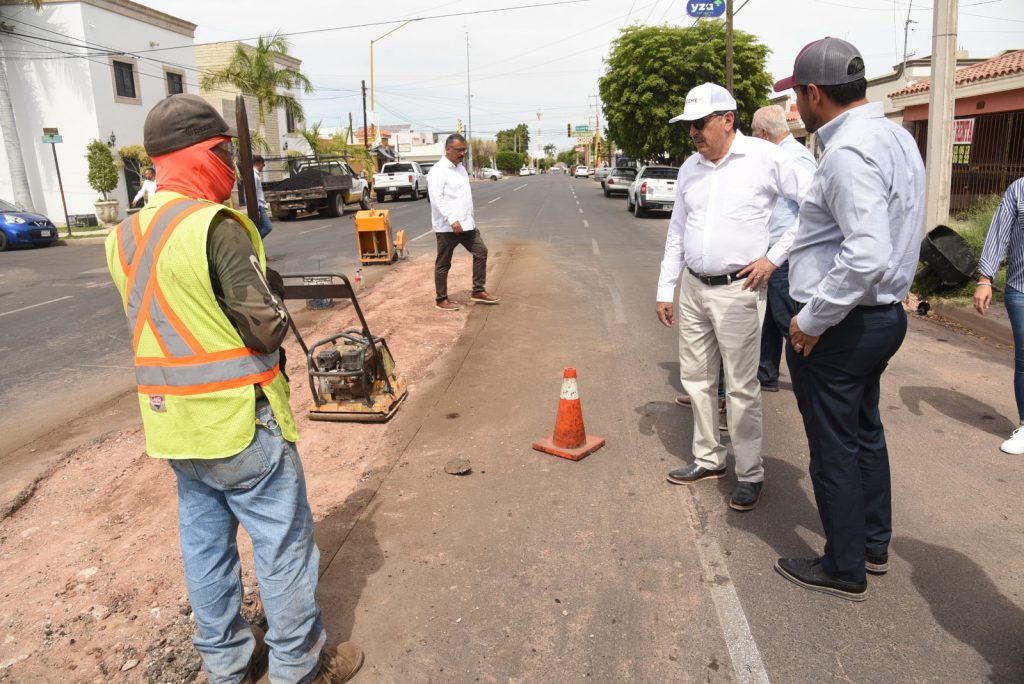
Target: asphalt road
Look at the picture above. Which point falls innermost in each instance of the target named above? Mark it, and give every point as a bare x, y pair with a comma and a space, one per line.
538, 569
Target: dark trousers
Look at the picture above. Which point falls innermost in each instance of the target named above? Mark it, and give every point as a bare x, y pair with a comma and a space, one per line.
775, 331
446, 244
837, 389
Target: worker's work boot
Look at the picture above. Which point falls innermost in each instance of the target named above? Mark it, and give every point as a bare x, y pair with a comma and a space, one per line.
258, 661
339, 664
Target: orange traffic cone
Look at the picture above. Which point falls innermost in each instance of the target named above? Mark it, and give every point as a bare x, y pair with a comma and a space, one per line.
569, 439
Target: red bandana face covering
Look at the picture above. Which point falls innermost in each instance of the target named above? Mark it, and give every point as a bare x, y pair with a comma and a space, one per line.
196, 171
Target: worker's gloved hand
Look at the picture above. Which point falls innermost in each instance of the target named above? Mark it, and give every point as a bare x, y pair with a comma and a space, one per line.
276, 283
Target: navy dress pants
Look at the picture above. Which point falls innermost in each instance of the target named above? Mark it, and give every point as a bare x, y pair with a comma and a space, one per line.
837, 390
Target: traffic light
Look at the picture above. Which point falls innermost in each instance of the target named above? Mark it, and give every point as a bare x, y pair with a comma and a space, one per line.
568, 129
458, 127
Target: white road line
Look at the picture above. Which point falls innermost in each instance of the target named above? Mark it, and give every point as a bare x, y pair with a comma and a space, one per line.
746, 658
494, 200
26, 308
577, 203
95, 271
520, 187
594, 248
313, 230
581, 211
586, 224
620, 311
421, 236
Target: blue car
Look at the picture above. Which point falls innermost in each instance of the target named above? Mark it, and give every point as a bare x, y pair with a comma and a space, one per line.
19, 227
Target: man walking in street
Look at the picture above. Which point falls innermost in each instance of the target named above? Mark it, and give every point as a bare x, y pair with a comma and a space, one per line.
719, 234
851, 265
769, 123
206, 330
451, 213
258, 164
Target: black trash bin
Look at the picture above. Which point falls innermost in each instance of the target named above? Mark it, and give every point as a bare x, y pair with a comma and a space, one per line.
947, 255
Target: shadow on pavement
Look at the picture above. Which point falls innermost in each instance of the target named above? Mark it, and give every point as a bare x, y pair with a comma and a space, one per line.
671, 424
958, 406
349, 554
967, 605
784, 508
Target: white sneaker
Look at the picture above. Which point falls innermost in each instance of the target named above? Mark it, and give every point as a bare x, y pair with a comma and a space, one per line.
1014, 445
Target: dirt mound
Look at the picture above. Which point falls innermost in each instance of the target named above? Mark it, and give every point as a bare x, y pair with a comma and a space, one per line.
93, 587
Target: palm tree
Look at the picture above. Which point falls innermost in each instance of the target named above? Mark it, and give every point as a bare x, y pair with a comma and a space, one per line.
9, 130
255, 71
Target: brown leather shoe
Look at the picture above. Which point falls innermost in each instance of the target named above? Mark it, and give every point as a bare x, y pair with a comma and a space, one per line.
484, 298
339, 664
259, 661
446, 305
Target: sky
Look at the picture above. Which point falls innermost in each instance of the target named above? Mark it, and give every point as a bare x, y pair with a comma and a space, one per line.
544, 57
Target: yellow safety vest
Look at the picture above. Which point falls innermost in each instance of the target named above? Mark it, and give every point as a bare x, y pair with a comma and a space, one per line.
195, 375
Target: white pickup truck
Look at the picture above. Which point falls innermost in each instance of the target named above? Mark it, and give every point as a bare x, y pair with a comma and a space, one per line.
653, 188
400, 178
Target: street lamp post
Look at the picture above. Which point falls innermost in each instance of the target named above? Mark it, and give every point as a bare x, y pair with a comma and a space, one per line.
373, 107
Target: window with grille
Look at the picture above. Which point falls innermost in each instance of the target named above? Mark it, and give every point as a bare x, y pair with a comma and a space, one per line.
175, 83
289, 121
124, 79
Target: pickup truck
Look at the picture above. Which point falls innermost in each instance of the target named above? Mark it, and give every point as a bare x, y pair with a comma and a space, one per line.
400, 178
315, 183
653, 188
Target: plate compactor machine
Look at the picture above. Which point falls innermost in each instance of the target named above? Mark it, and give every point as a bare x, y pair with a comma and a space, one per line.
351, 374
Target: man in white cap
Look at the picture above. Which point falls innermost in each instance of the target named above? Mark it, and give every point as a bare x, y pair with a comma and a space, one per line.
851, 265
718, 235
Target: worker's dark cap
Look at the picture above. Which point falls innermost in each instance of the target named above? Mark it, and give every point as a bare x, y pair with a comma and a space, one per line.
825, 62
180, 121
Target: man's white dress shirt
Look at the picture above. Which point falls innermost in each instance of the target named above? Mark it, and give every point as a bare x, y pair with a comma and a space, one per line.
719, 223
148, 189
451, 198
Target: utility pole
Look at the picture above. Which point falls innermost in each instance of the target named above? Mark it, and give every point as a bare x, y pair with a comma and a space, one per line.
906, 34
941, 103
597, 131
469, 111
366, 133
728, 46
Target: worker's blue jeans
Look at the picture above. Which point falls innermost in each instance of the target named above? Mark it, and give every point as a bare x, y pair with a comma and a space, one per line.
264, 489
1014, 301
265, 225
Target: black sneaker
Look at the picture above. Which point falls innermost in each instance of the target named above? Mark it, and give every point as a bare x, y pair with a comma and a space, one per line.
745, 496
694, 473
876, 565
808, 573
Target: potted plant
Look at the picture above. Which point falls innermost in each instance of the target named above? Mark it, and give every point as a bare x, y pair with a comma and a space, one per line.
102, 179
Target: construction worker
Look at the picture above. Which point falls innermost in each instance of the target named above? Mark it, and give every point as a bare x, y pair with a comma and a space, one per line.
206, 330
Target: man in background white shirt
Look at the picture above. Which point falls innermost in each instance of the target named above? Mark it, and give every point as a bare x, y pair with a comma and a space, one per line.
148, 188
451, 213
718, 234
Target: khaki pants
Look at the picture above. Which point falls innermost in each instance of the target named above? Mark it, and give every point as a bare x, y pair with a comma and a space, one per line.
722, 323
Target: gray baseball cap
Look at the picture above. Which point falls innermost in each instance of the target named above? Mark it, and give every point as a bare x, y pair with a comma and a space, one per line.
824, 62
180, 121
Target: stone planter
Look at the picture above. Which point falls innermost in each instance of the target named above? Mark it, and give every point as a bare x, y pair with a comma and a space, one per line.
106, 211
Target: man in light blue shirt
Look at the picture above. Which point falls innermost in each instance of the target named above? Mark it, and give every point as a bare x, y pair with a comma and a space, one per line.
851, 264
769, 123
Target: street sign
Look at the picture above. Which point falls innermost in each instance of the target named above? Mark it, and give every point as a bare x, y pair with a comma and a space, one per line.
582, 130
580, 149
704, 10
585, 141
52, 139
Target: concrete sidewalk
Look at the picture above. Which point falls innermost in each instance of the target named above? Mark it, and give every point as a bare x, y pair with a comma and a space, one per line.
994, 326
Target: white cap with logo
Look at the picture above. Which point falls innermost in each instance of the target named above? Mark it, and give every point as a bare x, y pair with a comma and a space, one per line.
705, 99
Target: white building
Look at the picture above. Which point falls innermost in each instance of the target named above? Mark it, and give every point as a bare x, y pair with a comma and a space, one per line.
91, 69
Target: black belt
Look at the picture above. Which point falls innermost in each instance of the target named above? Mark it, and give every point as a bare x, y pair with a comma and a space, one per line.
716, 279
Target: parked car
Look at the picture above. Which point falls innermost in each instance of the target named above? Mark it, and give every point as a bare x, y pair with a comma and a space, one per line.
19, 227
400, 178
601, 173
493, 174
618, 180
426, 166
524, 171
653, 188
582, 171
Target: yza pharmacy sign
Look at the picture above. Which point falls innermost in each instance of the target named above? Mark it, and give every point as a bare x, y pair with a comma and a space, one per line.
703, 10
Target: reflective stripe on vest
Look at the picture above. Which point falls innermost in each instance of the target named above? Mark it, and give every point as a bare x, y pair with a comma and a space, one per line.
187, 368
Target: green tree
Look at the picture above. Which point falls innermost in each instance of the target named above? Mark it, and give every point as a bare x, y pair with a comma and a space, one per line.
568, 157
510, 161
650, 70
515, 139
549, 150
312, 136
255, 71
102, 169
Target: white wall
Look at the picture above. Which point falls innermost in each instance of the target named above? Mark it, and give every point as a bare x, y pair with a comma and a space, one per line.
76, 95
